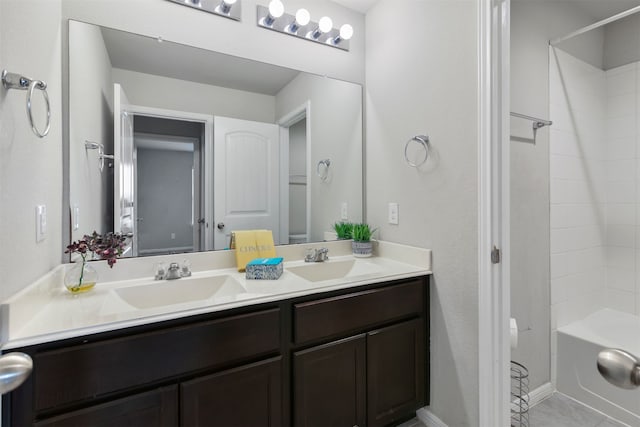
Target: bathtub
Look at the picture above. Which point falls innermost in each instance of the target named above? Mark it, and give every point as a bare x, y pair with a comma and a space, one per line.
577, 376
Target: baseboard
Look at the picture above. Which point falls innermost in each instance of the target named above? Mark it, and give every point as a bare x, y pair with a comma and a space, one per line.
428, 418
541, 393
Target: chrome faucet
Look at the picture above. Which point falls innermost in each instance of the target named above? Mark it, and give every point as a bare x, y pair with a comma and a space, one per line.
174, 271
317, 255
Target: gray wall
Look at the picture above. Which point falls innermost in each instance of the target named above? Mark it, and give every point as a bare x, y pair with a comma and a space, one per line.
91, 112
30, 168
164, 197
622, 42
422, 78
336, 133
533, 24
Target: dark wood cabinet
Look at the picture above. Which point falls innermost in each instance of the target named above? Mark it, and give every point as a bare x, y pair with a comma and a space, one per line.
151, 409
247, 396
351, 357
329, 384
395, 372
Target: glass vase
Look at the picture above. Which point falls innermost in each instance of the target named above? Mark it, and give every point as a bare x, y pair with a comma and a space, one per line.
80, 278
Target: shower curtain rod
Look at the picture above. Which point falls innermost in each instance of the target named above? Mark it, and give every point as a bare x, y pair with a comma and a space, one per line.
596, 25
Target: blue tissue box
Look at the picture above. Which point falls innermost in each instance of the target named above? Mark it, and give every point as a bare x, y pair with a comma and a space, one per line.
264, 269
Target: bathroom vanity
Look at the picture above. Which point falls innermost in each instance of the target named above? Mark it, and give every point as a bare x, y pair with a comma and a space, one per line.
352, 357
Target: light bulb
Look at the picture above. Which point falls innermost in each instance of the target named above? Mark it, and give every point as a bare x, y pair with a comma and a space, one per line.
326, 24
225, 6
303, 17
276, 9
346, 32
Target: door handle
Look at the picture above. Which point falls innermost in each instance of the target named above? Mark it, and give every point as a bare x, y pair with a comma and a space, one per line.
620, 368
220, 226
15, 368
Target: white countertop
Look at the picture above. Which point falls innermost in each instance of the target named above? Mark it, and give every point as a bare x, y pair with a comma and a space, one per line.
45, 311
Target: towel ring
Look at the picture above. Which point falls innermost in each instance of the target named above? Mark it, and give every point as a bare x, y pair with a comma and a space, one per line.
323, 172
16, 81
423, 140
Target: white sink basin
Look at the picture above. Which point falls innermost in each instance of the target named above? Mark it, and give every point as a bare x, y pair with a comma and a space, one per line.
169, 292
331, 270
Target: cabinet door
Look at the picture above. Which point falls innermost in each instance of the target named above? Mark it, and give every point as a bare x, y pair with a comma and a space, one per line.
247, 396
153, 408
329, 384
395, 372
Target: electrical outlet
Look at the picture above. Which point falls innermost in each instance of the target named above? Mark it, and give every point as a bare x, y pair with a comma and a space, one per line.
393, 213
344, 211
173, 236
41, 223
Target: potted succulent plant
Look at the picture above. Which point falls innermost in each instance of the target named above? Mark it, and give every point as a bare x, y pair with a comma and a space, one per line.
362, 245
344, 230
82, 277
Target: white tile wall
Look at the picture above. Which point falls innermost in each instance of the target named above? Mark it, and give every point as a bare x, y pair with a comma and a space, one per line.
595, 188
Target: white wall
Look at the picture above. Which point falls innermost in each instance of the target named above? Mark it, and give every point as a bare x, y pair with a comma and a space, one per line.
579, 190
622, 104
336, 133
421, 78
30, 168
533, 24
298, 168
181, 95
91, 112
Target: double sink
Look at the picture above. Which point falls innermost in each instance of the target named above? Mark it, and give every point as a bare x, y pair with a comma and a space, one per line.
220, 289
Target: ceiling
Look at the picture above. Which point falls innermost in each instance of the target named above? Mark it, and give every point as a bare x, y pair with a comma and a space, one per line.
361, 6
147, 55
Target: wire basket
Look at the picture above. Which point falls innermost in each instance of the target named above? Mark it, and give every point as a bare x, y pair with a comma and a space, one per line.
519, 395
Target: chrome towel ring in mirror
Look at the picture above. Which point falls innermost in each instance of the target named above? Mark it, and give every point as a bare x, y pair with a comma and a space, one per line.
16, 81
423, 140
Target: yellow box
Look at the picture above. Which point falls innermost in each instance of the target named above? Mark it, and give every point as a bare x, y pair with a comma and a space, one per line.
252, 244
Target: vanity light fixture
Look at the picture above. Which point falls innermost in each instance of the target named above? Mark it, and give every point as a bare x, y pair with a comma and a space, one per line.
276, 10
226, 8
346, 32
324, 26
303, 17
274, 18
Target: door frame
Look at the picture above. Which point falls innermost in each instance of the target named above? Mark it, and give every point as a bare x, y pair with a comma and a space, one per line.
207, 181
493, 213
302, 111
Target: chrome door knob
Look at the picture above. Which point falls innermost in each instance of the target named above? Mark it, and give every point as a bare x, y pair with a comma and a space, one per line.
15, 368
220, 226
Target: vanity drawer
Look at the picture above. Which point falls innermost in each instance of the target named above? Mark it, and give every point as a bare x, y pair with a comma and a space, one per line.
357, 311
89, 370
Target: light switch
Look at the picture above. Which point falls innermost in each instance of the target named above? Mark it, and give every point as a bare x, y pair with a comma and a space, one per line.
393, 213
75, 216
41, 223
344, 211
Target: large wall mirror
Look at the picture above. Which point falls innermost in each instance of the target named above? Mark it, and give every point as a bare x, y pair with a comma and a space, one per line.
179, 146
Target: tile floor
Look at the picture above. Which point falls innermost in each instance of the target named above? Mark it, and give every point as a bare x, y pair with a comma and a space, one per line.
561, 411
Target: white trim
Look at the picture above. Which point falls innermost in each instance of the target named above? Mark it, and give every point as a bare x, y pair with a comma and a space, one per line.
429, 419
541, 393
294, 116
207, 120
493, 213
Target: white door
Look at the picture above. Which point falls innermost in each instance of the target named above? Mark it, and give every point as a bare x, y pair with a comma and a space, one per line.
124, 174
246, 178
